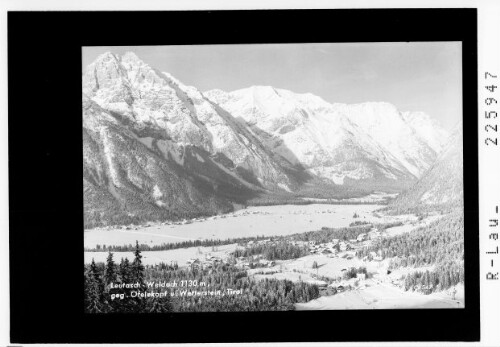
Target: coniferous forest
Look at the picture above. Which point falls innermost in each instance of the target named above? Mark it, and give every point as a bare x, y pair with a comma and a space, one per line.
281, 250
246, 294
440, 245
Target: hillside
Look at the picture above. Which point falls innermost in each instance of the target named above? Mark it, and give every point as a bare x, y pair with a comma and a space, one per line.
441, 187
371, 143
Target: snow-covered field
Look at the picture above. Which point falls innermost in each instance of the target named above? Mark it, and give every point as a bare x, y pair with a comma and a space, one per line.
383, 296
410, 226
252, 221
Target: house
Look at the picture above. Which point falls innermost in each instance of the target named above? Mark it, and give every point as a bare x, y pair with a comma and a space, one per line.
361, 276
340, 288
361, 237
353, 240
332, 250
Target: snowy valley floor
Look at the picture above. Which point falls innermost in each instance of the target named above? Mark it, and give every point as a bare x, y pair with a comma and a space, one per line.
381, 291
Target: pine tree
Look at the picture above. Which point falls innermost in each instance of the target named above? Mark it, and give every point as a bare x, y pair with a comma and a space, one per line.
137, 304
87, 287
110, 271
125, 271
94, 303
137, 267
95, 292
160, 305
96, 276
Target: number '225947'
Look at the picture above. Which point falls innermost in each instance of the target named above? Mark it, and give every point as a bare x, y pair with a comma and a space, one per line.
490, 114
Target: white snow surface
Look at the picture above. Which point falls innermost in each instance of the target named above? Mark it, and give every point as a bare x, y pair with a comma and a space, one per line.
306, 129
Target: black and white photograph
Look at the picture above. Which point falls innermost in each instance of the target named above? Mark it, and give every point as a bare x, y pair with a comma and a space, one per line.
273, 177
197, 174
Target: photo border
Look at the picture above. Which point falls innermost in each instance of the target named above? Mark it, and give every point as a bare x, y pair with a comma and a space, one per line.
46, 188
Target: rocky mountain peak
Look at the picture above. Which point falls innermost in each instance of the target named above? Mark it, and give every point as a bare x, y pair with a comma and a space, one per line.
144, 129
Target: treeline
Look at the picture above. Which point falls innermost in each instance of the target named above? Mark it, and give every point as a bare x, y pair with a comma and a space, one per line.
398, 208
346, 233
441, 244
441, 278
299, 201
358, 223
440, 241
143, 247
281, 250
98, 294
265, 295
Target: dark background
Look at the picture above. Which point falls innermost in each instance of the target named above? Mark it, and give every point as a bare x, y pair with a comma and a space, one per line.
46, 186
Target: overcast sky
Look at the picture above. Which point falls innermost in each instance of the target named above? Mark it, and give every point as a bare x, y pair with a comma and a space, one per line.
423, 76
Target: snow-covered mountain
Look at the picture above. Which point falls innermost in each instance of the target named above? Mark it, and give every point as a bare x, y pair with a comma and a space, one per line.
441, 184
154, 105
369, 141
155, 148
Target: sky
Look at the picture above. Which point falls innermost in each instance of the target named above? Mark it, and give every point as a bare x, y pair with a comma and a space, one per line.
414, 76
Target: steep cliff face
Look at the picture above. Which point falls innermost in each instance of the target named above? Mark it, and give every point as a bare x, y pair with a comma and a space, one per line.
155, 104
156, 149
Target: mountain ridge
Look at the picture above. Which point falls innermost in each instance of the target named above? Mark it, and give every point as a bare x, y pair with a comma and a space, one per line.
155, 148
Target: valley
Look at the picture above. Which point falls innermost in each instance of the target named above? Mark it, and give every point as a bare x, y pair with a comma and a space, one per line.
265, 221
294, 202
323, 264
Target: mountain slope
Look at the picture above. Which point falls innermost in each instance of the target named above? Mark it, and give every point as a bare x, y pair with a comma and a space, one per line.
128, 180
441, 185
347, 144
156, 105
156, 149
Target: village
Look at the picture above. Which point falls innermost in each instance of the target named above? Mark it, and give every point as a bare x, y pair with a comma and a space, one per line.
337, 251
329, 262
